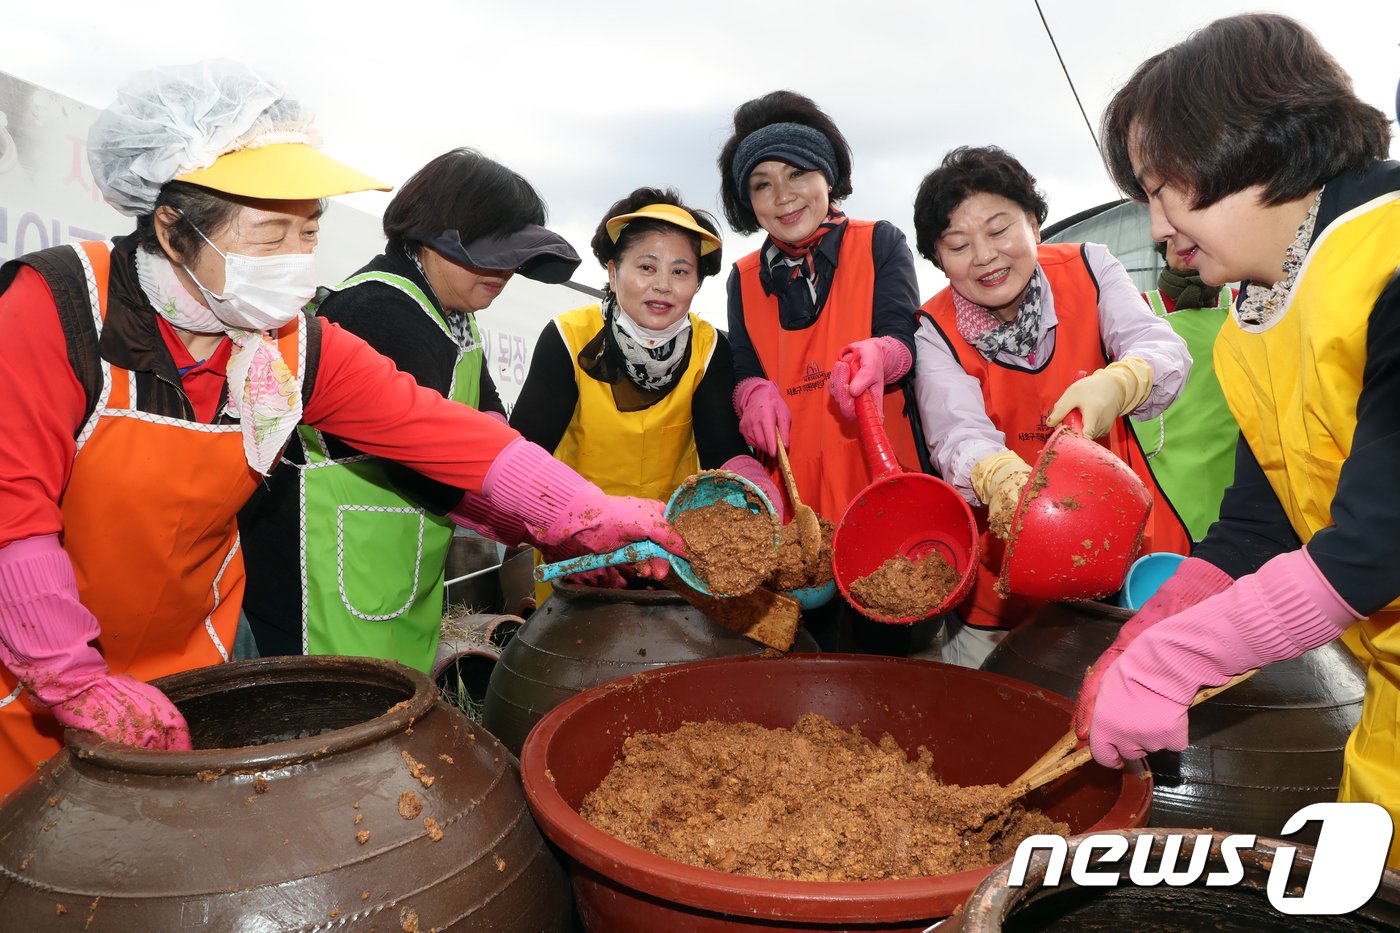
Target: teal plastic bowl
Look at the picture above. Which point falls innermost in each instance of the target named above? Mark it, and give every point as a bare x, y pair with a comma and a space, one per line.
1145, 576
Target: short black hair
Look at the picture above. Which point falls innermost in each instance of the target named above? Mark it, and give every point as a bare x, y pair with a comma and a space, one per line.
606, 251
777, 107
965, 171
200, 209
1265, 105
465, 191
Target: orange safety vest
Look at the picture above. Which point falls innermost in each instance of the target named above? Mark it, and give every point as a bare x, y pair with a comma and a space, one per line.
825, 452
150, 522
1018, 401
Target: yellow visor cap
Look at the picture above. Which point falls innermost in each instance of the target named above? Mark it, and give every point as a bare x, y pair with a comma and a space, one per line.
282, 172
666, 213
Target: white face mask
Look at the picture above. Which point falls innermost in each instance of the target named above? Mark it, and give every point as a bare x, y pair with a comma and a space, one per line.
651, 339
260, 292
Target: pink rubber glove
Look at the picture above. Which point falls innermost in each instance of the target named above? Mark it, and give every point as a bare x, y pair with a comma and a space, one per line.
476, 514
1284, 609
753, 471
44, 640
763, 415
875, 361
1194, 580
497, 416
565, 515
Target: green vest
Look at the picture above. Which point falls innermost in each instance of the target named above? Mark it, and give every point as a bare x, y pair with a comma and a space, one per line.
1191, 446
372, 561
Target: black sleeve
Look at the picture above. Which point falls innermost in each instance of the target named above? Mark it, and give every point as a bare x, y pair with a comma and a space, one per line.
1252, 527
893, 313
489, 399
549, 396
1359, 553
394, 324
746, 363
716, 425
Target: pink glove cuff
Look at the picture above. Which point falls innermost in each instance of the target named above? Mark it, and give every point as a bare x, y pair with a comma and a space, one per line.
526, 482
477, 514
1279, 612
44, 629
898, 359
747, 388
497, 416
1195, 580
753, 471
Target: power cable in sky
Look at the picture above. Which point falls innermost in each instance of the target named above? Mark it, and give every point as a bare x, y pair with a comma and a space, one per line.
1092, 135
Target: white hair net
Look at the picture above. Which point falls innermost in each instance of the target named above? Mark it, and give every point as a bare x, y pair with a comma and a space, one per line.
170, 121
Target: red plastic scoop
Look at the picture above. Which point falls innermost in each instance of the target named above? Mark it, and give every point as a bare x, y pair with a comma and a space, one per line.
1079, 523
901, 514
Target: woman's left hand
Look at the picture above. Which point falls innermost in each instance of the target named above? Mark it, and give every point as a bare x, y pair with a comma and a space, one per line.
860, 366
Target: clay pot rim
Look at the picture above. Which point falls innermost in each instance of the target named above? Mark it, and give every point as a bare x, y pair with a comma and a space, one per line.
745, 895
607, 595
420, 697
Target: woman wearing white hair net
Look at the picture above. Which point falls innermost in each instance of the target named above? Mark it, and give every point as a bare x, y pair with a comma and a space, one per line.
151, 383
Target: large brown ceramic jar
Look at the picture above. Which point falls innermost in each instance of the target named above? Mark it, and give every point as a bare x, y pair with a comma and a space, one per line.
322, 794
1259, 752
584, 636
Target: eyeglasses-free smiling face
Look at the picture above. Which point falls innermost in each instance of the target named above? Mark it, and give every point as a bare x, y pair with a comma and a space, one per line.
789, 202
988, 251
1238, 238
656, 278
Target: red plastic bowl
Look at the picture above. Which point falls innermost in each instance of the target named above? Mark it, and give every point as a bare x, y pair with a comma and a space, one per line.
1079, 524
980, 727
905, 515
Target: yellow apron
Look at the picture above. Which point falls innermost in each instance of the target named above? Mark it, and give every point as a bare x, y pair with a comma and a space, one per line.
1293, 389
644, 453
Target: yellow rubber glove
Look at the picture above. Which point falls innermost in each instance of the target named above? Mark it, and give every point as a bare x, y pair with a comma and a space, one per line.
998, 481
1105, 395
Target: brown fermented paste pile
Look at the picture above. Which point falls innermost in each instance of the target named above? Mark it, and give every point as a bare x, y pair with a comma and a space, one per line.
730, 548
901, 588
791, 572
810, 803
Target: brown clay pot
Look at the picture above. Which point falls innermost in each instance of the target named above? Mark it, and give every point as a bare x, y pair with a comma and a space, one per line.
995, 907
1259, 752
256, 829
584, 636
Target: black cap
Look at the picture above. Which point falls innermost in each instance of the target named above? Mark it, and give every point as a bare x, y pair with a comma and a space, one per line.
533, 251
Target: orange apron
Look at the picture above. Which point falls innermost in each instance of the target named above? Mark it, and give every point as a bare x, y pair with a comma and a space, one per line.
825, 453
150, 522
1018, 401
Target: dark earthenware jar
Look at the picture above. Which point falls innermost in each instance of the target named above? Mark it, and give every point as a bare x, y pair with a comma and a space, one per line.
1259, 752
1035, 907
323, 793
584, 636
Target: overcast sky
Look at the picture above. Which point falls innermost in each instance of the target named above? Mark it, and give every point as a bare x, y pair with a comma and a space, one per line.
589, 100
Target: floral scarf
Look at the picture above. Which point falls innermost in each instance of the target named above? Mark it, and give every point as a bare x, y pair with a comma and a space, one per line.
1261, 305
263, 393
992, 336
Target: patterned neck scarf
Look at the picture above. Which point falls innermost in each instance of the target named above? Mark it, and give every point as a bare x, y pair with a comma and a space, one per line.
263, 394
1261, 305
655, 369
793, 273
992, 336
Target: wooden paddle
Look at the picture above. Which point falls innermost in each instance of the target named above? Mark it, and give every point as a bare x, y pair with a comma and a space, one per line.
1062, 758
809, 527
763, 616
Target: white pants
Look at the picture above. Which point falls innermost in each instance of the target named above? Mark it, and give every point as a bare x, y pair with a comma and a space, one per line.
967, 645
